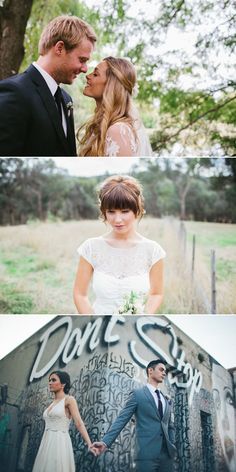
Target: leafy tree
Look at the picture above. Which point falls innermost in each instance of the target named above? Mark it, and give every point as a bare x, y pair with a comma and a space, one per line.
200, 189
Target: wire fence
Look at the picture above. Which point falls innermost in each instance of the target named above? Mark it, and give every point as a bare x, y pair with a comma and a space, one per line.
207, 302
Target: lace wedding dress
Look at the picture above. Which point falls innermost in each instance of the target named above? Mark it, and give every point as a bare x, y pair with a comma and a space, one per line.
55, 451
120, 138
120, 141
118, 271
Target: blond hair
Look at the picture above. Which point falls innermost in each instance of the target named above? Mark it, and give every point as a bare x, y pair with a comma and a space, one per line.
120, 193
114, 107
69, 29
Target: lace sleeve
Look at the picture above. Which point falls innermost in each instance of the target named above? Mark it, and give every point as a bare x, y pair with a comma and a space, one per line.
85, 251
120, 141
158, 253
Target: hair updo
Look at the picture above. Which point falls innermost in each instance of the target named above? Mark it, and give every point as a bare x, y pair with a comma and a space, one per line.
119, 193
64, 379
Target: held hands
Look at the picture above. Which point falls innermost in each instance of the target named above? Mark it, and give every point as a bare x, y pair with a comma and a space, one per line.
93, 450
97, 448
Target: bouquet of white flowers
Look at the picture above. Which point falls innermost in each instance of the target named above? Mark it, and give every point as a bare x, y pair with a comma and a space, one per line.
134, 304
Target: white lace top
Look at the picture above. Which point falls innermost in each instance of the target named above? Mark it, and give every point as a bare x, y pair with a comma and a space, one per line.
121, 141
118, 271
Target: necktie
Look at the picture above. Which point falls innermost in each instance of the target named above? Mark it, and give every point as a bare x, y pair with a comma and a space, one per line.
160, 407
58, 99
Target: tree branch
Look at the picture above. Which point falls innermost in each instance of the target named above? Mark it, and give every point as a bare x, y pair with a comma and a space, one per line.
212, 110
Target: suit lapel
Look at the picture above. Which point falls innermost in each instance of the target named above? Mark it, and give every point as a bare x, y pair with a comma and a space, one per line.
49, 104
70, 125
151, 400
167, 410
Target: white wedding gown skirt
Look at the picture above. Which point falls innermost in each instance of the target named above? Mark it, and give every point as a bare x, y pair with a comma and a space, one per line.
55, 451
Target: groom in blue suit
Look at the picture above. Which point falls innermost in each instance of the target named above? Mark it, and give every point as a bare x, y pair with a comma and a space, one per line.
155, 447
36, 113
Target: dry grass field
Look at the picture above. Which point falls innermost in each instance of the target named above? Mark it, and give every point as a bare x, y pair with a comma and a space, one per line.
38, 263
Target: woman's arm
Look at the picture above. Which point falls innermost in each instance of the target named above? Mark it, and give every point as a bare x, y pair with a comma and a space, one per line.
82, 281
72, 406
155, 295
120, 141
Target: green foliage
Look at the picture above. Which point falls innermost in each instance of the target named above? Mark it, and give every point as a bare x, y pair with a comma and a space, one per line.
14, 302
219, 239
177, 102
23, 263
225, 269
205, 204
35, 189
167, 198
228, 143
228, 115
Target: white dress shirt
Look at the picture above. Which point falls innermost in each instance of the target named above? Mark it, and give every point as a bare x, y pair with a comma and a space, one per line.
52, 85
153, 392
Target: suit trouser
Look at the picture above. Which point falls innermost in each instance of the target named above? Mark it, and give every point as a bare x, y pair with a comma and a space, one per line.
164, 463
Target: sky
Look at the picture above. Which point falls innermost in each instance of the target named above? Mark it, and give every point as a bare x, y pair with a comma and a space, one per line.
95, 166
214, 333
91, 166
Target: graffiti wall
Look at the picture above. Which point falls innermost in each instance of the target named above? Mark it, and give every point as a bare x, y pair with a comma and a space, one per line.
106, 359
224, 403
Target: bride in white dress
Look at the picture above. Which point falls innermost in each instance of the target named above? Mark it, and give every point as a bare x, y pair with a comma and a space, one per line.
126, 268
115, 129
55, 451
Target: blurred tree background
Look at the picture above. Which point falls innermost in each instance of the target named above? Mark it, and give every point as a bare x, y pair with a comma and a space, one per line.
184, 53
189, 189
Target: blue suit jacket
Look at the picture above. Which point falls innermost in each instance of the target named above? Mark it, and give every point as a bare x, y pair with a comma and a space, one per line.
150, 429
30, 124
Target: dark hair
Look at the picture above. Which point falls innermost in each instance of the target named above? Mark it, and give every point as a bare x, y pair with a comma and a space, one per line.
64, 379
153, 364
121, 192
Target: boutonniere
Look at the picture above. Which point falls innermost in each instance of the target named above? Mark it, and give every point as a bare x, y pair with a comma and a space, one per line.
69, 107
168, 398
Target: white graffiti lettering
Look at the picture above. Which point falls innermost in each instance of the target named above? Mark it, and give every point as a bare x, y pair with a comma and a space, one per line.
73, 343
183, 375
192, 377
44, 340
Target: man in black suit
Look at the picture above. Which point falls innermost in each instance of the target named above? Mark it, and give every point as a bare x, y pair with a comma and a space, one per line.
36, 115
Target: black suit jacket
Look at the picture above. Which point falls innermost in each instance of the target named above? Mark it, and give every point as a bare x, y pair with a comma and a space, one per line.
29, 120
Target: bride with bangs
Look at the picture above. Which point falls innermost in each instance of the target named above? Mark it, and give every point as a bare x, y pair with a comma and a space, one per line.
126, 269
115, 128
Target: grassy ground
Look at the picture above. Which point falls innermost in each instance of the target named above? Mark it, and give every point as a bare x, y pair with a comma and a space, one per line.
38, 263
222, 239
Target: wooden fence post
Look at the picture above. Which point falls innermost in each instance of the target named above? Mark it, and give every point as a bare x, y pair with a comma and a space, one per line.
193, 255
213, 282
183, 237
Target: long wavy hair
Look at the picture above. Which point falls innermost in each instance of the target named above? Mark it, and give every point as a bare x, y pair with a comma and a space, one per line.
114, 107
